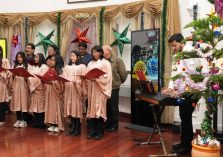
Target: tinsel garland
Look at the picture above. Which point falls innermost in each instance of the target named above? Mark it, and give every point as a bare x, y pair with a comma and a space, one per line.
211, 1
163, 40
26, 30
58, 29
142, 21
101, 20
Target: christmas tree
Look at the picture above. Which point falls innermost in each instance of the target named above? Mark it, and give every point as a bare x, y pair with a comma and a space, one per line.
199, 71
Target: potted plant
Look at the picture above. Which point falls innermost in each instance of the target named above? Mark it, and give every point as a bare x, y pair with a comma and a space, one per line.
199, 71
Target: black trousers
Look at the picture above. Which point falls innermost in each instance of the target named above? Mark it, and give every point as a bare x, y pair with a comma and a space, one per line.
186, 110
3, 107
113, 109
21, 115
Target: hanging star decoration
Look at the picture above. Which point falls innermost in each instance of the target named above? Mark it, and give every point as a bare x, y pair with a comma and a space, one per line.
15, 40
121, 39
81, 36
45, 41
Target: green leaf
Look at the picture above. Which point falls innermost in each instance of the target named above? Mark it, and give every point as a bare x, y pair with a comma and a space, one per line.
197, 78
177, 77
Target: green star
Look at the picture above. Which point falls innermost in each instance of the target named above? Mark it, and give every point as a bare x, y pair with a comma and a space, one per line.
121, 39
45, 41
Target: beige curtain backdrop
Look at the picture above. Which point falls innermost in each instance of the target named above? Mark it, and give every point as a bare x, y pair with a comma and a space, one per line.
15, 25
67, 28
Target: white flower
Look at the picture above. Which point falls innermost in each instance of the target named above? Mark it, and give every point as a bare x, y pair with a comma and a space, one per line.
188, 48
205, 45
201, 54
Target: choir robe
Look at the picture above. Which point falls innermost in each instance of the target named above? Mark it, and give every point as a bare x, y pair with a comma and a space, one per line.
20, 94
74, 91
100, 90
4, 81
37, 102
54, 104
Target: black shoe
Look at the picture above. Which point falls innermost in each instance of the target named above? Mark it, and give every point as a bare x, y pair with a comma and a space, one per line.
181, 151
176, 146
91, 136
107, 127
98, 136
70, 131
42, 126
112, 129
76, 132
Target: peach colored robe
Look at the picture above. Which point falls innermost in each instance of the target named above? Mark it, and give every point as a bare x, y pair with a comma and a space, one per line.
100, 90
54, 104
37, 102
4, 80
74, 91
20, 94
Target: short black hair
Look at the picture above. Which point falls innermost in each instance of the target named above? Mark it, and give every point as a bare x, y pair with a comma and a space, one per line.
98, 49
32, 45
178, 37
82, 44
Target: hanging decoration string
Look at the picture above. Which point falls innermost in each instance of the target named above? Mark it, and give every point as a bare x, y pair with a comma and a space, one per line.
142, 21
26, 30
163, 41
101, 19
58, 29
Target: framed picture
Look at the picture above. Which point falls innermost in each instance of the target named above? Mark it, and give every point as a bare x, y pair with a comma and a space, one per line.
3, 44
145, 55
80, 1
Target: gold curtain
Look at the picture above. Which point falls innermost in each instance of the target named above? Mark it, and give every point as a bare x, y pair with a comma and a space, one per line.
14, 27
173, 26
66, 29
133, 9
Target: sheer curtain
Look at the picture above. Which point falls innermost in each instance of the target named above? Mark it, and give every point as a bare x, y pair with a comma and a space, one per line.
92, 35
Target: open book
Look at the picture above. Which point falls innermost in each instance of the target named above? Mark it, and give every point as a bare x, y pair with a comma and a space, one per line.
62, 78
2, 69
21, 72
141, 75
93, 74
49, 76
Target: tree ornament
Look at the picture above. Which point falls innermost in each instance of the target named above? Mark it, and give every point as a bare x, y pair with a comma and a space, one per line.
179, 101
194, 104
214, 70
210, 99
199, 69
216, 87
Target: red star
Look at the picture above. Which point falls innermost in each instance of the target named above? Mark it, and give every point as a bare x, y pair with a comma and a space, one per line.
81, 36
15, 40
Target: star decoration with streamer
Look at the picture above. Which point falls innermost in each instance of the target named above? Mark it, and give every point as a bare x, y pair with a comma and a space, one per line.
81, 36
15, 40
45, 40
121, 39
